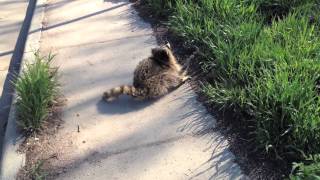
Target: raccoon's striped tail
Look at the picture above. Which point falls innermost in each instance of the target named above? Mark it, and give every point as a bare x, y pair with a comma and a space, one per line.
114, 93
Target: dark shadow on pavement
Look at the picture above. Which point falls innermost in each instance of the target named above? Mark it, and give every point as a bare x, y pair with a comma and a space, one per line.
198, 122
124, 104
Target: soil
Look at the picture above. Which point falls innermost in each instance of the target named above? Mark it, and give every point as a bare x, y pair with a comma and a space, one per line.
253, 164
40, 154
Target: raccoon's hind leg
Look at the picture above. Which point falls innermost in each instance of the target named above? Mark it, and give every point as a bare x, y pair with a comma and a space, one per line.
162, 84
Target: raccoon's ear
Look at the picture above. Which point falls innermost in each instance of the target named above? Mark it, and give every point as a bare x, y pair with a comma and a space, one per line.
160, 54
168, 45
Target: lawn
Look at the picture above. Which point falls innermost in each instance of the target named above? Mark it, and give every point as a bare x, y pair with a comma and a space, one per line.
262, 57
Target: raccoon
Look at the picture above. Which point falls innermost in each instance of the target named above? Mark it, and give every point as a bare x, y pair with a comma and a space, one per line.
153, 77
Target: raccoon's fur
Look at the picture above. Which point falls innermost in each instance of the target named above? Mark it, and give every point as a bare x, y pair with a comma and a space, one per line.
153, 77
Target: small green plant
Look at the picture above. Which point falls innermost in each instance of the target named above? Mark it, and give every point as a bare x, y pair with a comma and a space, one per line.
36, 171
309, 170
36, 90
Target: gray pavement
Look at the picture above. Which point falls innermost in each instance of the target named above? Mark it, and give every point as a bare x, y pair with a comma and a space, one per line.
12, 14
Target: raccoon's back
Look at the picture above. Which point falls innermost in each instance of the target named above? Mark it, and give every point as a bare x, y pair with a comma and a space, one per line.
144, 70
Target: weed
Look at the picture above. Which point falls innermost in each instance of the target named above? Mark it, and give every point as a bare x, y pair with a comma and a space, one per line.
36, 90
36, 171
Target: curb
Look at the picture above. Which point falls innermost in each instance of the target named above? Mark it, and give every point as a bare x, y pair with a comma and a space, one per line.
12, 160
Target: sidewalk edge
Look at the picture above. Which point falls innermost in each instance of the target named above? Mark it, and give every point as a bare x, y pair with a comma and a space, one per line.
12, 160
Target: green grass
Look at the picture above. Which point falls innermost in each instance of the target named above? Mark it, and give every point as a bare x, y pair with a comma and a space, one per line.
36, 171
36, 90
309, 170
263, 58
165, 7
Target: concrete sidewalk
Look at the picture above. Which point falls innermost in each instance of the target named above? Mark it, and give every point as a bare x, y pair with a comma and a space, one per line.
98, 44
12, 14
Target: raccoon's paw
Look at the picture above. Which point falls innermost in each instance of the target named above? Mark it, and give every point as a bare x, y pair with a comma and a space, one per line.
186, 78
106, 96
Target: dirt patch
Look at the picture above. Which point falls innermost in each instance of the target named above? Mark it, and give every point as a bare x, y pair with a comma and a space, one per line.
42, 152
254, 165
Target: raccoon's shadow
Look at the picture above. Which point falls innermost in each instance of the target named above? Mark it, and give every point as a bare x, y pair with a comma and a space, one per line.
124, 104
